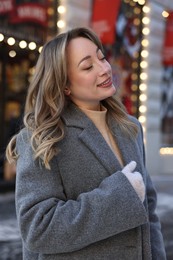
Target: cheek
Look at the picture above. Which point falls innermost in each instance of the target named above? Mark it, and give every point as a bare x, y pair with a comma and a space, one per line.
74, 78
82, 81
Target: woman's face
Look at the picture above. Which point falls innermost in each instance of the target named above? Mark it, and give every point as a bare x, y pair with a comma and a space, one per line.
89, 74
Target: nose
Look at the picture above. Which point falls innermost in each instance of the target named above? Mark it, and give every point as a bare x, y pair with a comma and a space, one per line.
104, 68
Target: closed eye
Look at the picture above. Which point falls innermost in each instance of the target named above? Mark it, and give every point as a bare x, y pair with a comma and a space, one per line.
103, 58
88, 68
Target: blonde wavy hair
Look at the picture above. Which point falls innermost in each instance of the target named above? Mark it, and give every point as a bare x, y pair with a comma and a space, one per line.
46, 100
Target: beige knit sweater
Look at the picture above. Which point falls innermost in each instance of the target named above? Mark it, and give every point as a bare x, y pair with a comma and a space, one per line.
99, 119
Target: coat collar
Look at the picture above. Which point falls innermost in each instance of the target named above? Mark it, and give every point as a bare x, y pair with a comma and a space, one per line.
93, 139
73, 116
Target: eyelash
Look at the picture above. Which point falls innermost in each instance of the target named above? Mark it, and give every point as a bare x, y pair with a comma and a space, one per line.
88, 68
92, 66
104, 58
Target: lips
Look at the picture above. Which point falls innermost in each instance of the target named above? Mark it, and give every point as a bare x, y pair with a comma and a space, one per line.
105, 84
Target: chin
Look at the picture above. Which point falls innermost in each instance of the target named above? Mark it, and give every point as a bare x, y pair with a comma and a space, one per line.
112, 91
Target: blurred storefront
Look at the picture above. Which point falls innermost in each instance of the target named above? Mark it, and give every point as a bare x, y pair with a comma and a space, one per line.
158, 98
24, 27
132, 32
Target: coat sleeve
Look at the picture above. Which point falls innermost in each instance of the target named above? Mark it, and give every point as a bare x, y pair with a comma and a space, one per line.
157, 243
156, 238
51, 224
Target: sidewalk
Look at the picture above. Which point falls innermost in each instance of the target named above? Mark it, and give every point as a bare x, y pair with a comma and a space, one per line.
164, 187
10, 243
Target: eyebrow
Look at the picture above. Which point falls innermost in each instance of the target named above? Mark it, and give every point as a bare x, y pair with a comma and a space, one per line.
87, 57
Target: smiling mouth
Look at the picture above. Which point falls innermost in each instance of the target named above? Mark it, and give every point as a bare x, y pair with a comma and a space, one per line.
105, 84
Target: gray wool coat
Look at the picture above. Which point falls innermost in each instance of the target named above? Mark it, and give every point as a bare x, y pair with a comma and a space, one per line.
84, 208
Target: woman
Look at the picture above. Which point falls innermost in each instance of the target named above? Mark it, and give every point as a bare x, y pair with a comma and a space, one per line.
82, 189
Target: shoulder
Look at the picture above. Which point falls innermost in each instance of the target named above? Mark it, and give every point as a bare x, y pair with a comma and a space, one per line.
134, 120
24, 134
140, 129
23, 139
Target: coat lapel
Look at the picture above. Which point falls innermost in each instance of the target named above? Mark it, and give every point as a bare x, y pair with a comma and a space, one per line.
95, 142
91, 137
128, 147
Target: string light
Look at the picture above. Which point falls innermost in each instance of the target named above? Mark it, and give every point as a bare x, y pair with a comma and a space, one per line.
142, 109
22, 44
143, 76
144, 53
145, 43
146, 9
61, 9
40, 49
143, 87
61, 22
12, 54
1, 37
134, 87
145, 30
140, 2
145, 20
143, 97
144, 66
142, 119
165, 14
11, 41
32, 45
19, 43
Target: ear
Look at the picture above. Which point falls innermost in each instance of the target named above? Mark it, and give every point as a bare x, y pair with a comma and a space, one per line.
67, 91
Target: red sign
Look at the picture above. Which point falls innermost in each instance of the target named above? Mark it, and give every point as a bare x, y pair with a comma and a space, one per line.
29, 12
6, 6
104, 18
168, 42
